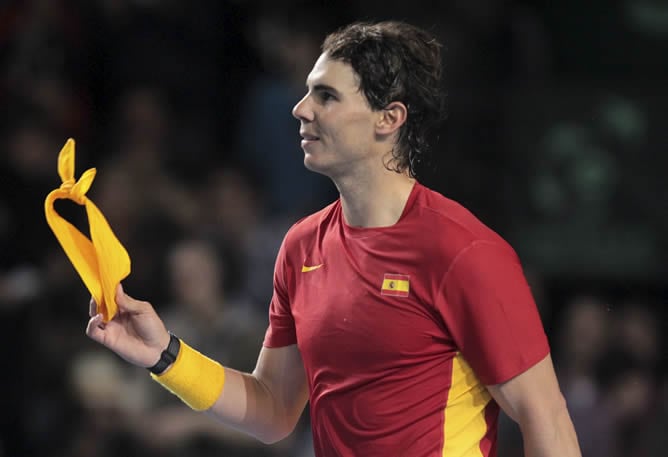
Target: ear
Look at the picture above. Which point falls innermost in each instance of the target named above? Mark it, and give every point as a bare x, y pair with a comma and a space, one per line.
391, 118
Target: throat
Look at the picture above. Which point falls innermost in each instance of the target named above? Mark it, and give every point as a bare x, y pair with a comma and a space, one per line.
380, 208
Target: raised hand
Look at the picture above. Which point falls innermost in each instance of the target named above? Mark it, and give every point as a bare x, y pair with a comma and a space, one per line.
136, 333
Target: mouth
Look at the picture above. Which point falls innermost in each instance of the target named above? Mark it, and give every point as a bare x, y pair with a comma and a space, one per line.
307, 138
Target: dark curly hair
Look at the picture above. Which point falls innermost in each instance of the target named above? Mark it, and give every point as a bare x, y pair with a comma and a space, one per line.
395, 61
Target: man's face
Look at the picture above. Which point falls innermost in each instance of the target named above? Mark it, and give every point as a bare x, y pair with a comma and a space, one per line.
337, 123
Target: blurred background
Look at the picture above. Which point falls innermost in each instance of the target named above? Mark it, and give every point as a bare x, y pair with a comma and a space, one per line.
555, 138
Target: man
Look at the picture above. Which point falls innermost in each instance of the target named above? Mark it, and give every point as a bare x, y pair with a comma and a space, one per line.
400, 317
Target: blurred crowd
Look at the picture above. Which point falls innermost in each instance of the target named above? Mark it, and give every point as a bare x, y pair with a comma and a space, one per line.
184, 109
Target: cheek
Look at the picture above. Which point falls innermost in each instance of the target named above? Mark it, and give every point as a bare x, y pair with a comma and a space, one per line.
357, 129
360, 136
347, 131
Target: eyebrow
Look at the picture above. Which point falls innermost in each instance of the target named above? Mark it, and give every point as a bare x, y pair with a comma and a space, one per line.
326, 88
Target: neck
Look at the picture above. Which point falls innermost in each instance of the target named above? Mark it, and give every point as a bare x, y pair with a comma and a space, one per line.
374, 199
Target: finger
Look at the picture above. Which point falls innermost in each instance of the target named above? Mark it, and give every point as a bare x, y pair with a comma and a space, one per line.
95, 328
92, 307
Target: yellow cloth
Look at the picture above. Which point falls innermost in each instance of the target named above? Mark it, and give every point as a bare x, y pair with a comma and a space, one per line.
196, 379
102, 263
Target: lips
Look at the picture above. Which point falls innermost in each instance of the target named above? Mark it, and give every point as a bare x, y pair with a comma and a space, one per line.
308, 136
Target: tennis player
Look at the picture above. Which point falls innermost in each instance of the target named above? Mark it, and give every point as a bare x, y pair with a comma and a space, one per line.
402, 320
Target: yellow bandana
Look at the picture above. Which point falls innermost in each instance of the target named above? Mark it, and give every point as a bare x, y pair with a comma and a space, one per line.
102, 263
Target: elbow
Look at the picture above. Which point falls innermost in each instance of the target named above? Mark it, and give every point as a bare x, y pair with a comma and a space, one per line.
275, 420
275, 434
270, 438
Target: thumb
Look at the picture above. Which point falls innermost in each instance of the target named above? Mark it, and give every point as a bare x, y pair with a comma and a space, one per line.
126, 302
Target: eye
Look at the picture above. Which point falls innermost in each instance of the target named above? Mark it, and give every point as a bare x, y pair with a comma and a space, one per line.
326, 96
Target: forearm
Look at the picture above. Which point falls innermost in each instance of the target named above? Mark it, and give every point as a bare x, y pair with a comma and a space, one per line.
265, 404
533, 400
551, 435
247, 405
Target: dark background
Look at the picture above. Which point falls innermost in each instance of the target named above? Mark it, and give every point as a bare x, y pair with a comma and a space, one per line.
555, 138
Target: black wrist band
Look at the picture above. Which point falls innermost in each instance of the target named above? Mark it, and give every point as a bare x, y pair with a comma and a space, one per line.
168, 356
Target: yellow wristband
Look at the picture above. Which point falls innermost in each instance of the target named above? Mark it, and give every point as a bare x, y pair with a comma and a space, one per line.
196, 379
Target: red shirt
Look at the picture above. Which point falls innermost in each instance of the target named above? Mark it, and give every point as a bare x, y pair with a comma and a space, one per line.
401, 327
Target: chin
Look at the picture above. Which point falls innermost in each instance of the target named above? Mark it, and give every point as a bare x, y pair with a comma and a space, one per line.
311, 163
326, 165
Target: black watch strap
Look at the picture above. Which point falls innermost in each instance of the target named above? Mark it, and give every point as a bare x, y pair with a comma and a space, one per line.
168, 356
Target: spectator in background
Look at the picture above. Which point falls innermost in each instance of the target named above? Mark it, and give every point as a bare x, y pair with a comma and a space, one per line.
628, 392
583, 336
32, 279
607, 360
238, 219
636, 330
26, 174
202, 307
655, 433
582, 340
629, 377
287, 41
138, 188
229, 329
105, 420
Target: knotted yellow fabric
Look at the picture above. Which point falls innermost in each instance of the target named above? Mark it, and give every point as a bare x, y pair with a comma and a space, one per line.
103, 262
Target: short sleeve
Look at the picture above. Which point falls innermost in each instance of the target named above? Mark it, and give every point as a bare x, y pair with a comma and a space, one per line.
281, 331
490, 312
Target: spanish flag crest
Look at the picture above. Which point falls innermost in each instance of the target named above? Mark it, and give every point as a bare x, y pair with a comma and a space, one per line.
395, 285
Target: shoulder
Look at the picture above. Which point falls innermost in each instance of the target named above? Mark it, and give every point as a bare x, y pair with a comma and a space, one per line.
449, 227
306, 230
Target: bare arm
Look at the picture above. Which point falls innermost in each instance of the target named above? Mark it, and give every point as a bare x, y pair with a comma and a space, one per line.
266, 403
533, 400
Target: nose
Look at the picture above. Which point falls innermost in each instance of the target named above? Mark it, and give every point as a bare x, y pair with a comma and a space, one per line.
302, 110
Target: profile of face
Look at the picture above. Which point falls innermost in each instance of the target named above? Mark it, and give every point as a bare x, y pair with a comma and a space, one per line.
337, 125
